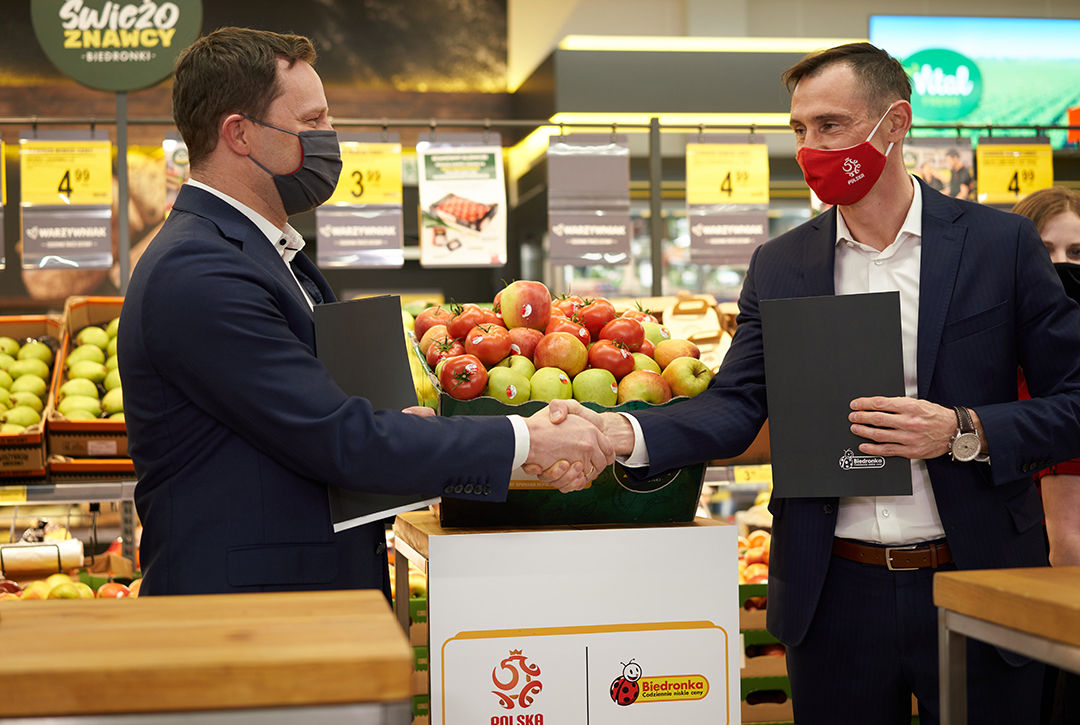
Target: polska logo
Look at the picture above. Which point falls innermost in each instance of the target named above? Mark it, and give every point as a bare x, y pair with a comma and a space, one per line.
517, 681
851, 166
851, 462
947, 85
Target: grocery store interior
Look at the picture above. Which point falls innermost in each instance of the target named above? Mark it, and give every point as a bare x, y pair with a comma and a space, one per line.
654, 75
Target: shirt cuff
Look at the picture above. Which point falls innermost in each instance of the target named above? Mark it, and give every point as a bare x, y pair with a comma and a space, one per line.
639, 457
521, 441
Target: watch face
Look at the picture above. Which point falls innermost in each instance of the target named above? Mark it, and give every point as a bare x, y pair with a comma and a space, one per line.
965, 447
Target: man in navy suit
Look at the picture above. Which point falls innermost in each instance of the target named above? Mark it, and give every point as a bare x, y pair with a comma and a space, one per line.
234, 425
850, 579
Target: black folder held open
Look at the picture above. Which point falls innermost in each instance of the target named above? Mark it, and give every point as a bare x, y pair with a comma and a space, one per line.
379, 373
820, 354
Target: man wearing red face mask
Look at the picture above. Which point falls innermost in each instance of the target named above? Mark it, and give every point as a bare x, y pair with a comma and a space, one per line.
850, 579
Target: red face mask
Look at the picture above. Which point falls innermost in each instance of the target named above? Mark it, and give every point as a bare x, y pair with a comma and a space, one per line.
844, 176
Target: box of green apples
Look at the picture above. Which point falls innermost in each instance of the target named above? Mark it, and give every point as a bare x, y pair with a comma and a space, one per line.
86, 420
29, 346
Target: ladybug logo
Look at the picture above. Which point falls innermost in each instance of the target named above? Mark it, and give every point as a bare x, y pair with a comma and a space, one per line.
625, 689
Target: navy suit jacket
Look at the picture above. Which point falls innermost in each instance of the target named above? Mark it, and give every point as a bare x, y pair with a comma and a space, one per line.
989, 302
236, 428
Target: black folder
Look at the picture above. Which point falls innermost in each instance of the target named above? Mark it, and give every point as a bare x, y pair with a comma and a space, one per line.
379, 372
820, 354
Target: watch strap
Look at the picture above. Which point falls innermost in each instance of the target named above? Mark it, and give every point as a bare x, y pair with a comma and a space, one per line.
963, 419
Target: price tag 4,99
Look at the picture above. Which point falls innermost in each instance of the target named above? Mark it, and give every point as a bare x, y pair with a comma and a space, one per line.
1009, 172
370, 174
69, 173
727, 173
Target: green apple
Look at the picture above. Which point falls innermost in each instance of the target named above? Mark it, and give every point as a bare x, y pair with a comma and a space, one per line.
112, 380
110, 348
667, 350
113, 401
5, 380
508, 386
36, 349
78, 386
644, 385
687, 376
20, 415
6, 360
85, 352
596, 385
549, 383
29, 366
519, 364
112, 362
655, 332
88, 369
113, 326
93, 335
79, 402
644, 362
30, 383
11, 428
9, 345
25, 398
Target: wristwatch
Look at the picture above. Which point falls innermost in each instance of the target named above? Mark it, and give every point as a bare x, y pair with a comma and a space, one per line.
965, 444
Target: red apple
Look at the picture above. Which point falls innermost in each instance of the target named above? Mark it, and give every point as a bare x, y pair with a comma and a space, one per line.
644, 385
667, 350
113, 590
525, 303
433, 333
561, 350
523, 341
428, 318
687, 376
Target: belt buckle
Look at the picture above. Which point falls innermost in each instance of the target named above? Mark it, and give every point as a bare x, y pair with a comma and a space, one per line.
888, 557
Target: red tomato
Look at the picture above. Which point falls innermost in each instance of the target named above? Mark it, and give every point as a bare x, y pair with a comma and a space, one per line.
611, 356
565, 324
640, 314
490, 343
465, 318
647, 347
567, 304
492, 317
625, 330
463, 377
428, 318
443, 347
595, 314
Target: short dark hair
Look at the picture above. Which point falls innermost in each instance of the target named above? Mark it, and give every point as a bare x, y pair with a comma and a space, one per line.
231, 70
881, 77
1043, 205
952, 154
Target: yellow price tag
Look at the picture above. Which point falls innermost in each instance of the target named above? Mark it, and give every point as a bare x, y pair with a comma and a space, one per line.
752, 474
66, 172
727, 173
3, 175
370, 174
1009, 172
12, 494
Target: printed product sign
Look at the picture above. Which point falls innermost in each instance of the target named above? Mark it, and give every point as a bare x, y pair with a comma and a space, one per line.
66, 200
3, 202
589, 199
115, 45
361, 225
727, 199
462, 201
947, 85
945, 164
1010, 169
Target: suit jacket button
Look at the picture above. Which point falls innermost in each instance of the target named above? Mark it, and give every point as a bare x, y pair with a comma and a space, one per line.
487, 490
380, 548
827, 509
468, 488
458, 488
448, 488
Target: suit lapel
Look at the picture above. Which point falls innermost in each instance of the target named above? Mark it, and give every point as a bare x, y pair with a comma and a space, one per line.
819, 256
942, 243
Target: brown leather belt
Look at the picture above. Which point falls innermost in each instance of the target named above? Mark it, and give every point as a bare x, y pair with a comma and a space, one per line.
895, 558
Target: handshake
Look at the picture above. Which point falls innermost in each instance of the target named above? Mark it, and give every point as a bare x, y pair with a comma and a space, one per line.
569, 444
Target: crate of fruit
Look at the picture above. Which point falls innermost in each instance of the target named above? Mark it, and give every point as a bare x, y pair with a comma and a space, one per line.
528, 349
87, 416
29, 345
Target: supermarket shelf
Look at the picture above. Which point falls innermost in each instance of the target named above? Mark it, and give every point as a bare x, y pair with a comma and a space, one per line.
756, 477
80, 492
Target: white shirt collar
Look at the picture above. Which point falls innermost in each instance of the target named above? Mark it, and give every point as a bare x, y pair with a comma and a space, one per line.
287, 243
912, 222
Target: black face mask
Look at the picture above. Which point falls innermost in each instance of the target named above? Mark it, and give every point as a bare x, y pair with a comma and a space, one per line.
314, 182
1070, 277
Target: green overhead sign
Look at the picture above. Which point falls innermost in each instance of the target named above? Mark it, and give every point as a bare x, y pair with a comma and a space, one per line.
116, 45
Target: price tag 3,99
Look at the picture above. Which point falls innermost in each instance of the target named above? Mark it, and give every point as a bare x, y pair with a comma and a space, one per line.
1009, 172
65, 172
370, 174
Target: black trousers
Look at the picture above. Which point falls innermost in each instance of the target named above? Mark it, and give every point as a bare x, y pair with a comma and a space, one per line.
874, 641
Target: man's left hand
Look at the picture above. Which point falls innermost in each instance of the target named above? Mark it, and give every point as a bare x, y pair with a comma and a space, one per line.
906, 427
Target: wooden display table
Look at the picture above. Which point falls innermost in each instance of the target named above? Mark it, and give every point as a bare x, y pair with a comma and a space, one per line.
296, 657
1035, 612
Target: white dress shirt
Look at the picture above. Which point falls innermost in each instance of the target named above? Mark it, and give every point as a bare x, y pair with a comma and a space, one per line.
859, 269
287, 243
